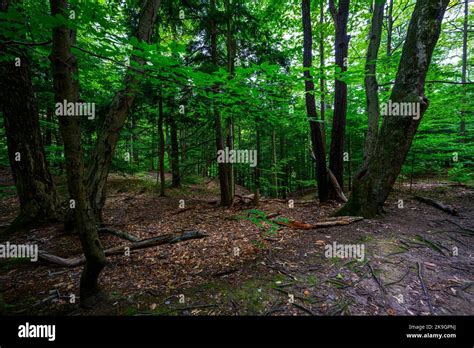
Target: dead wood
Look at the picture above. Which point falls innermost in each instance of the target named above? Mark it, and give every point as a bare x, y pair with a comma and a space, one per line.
118, 233
182, 210
141, 244
328, 222
444, 207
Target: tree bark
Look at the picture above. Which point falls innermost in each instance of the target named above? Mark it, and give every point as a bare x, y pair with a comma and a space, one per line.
257, 168
103, 152
176, 179
373, 185
462, 126
336, 154
389, 28
34, 184
231, 51
371, 86
222, 167
161, 145
64, 68
322, 80
317, 139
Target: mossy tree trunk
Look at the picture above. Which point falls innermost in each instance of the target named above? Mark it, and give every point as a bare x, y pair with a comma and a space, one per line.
117, 115
373, 184
34, 184
66, 88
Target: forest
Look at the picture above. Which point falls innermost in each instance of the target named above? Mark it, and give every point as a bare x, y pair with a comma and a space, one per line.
236, 157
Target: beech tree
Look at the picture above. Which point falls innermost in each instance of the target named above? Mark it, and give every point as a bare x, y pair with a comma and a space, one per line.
104, 150
66, 88
373, 184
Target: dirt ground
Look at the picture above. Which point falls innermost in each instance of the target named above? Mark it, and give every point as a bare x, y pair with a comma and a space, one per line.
241, 268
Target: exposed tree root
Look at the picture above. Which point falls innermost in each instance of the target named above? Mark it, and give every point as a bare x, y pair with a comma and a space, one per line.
425, 291
458, 225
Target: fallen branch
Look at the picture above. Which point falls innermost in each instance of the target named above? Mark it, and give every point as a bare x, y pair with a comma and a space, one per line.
444, 207
250, 197
118, 233
338, 221
328, 222
141, 244
182, 210
425, 291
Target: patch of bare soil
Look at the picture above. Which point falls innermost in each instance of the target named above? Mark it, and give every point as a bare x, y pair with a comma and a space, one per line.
418, 259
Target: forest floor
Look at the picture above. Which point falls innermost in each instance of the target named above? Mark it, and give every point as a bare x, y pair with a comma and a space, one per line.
239, 270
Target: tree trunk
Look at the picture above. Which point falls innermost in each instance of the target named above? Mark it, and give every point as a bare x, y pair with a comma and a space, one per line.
317, 139
371, 86
372, 186
103, 152
274, 163
222, 167
64, 67
231, 50
161, 145
336, 155
34, 185
389, 28
462, 126
176, 179
322, 80
257, 169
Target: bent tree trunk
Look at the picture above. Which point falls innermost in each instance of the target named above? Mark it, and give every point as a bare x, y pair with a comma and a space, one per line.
371, 86
317, 138
64, 68
373, 184
115, 119
34, 184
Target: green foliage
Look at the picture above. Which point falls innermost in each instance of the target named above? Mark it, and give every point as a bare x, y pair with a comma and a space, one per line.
264, 91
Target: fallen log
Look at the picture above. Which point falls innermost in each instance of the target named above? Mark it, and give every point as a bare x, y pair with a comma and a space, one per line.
328, 222
118, 233
141, 244
444, 207
245, 199
338, 221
